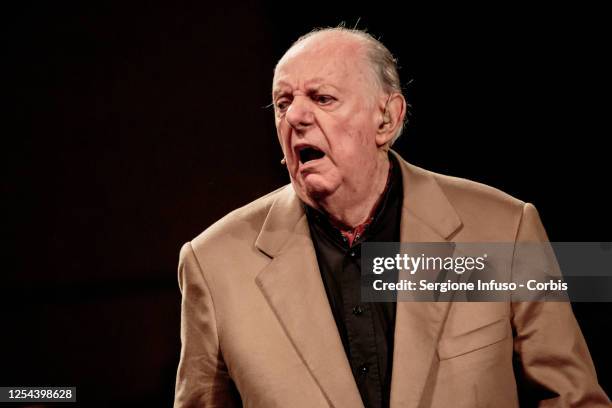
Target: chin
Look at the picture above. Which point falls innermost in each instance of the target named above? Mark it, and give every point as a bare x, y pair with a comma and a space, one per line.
316, 186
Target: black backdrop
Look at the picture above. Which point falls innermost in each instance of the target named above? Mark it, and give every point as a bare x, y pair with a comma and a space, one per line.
132, 126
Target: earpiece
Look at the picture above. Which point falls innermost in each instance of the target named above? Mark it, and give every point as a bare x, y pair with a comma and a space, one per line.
385, 120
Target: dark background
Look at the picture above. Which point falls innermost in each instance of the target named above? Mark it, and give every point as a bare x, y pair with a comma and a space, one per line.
132, 126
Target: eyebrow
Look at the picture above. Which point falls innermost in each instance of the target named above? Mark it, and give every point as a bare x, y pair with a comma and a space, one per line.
313, 85
280, 88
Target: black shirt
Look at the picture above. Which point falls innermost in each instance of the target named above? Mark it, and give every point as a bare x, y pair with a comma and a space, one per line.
366, 329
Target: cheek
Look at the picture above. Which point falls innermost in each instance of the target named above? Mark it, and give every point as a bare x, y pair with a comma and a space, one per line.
282, 133
352, 140
353, 131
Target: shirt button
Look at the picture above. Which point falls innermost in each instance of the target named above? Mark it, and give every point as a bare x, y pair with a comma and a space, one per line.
352, 254
357, 310
363, 369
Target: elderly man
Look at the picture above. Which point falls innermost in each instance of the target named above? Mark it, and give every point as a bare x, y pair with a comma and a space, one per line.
271, 311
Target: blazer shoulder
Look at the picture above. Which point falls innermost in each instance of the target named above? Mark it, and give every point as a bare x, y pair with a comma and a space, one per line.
461, 191
241, 225
485, 211
458, 189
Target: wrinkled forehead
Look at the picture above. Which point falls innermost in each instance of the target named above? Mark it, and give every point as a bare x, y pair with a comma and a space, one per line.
339, 65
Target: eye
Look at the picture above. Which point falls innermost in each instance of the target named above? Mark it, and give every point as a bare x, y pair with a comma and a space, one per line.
323, 99
282, 104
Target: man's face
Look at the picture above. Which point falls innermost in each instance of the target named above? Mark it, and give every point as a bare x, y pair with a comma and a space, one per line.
326, 113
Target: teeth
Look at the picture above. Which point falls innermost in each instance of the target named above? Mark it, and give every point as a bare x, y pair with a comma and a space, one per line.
310, 153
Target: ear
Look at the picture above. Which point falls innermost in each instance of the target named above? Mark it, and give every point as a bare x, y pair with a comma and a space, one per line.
392, 112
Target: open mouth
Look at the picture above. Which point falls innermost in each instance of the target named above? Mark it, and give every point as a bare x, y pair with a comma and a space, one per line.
310, 153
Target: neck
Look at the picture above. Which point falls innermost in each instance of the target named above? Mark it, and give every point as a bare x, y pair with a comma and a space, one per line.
352, 204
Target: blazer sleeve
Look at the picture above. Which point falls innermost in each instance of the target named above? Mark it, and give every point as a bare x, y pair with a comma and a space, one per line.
202, 378
551, 354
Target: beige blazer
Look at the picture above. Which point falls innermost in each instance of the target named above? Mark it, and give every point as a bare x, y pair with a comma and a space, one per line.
257, 328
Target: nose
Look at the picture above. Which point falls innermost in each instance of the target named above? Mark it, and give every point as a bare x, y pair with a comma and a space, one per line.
299, 114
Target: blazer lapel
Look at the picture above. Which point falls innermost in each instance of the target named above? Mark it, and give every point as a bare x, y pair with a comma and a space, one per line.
292, 285
427, 216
